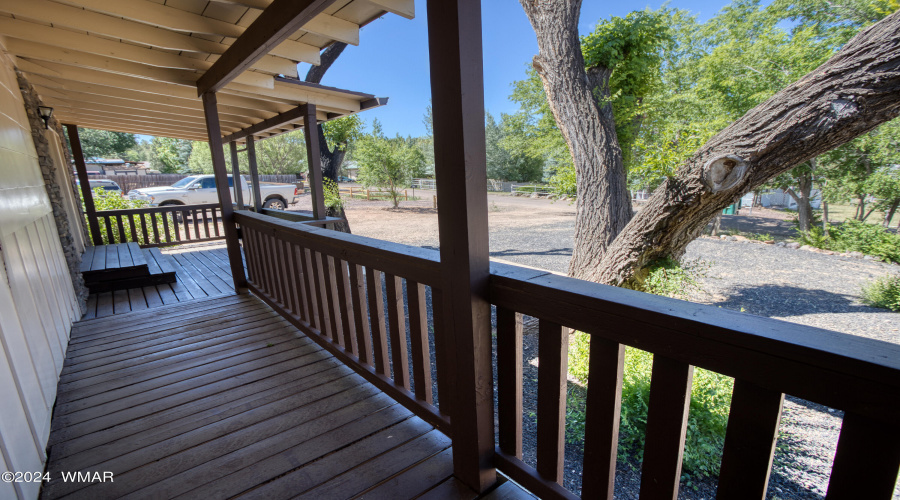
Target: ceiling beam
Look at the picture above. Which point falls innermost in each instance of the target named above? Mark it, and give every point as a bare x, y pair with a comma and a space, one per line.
137, 121
403, 8
67, 39
280, 119
48, 53
126, 111
61, 71
130, 129
102, 93
173, 18
272, 28
116, 27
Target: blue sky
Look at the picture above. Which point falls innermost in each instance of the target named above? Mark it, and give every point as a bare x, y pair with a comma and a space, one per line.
392, 57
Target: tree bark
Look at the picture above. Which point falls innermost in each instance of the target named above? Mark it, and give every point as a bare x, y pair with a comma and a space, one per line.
603, 207
331, 158
889, 213
853, 92
802, 197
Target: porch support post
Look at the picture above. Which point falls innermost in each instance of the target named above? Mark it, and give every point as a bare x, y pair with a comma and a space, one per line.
457, 91
254, 173
236, 175
84, 181
314, 160
214, 132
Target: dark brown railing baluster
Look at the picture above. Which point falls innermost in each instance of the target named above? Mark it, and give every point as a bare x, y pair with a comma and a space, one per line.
670, 399
509, 381
330, 298
444, 352
397, 330
376, 316
418, 340
309, 287
344, 306
174, 215
155, 227
360, 314
318, 266
164, 215
294, 280
278, 267
270, 261
602, 411
205, 224
109, 230
196, 225
287, 267
749, 441
867, 459
145, 235
249, 255
134, 235
297, 256
121, 226
553, 348
215, 218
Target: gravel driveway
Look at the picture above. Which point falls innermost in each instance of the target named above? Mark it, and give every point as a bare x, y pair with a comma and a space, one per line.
793, 285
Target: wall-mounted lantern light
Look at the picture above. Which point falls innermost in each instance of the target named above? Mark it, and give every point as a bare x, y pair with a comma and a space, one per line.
46, 112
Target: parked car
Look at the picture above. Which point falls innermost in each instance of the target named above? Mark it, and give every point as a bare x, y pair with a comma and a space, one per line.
201, 189
107, 185
344, 179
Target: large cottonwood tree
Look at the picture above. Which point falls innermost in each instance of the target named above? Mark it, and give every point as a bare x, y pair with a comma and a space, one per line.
853, 92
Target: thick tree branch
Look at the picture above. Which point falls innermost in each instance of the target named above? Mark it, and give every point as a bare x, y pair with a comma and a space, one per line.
852, 93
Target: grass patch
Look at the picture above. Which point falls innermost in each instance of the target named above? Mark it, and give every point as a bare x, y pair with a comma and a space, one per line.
710, 391
855, 236
884, 292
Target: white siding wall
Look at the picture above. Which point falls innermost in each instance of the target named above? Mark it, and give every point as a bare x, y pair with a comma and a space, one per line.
37, 303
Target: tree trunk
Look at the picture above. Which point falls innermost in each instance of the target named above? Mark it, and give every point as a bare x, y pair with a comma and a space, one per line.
331, 158
716, 226
802, 197
824, 215
853, 92
889, 214
603, 207
860, 208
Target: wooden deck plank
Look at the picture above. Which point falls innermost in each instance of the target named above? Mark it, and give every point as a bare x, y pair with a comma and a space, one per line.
152, 428
451, 489
167, 294
86, 259
509, 491
261, 339
143, 467
137, 255
415, 480
112, 256
133, 363
91, 307
181, 406
99, 258
384, 466
105, 304
102, 404
136, 299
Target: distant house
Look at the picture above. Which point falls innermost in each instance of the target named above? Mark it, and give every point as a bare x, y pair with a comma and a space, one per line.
116, 166
780, 198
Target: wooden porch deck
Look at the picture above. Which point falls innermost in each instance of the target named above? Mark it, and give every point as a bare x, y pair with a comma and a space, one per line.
221, 397
201, 272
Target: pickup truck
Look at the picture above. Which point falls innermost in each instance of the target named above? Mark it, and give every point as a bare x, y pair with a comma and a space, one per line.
201, 189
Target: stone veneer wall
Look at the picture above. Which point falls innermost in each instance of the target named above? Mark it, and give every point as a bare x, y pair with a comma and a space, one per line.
64, 226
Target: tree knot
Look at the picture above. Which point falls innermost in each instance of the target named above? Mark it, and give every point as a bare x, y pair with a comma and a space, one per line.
724, 172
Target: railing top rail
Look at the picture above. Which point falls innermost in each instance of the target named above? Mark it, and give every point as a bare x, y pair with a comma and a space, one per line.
151, 210
840, 370
419, 264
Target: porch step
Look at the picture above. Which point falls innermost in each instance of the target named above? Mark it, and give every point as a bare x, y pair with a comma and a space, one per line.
121, 266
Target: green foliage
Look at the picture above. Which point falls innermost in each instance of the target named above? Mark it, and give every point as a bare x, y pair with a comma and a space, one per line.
111, 200
855, 236
106, 144
279, 155
632, 47
342, 133
507, 158
389, 164
332, 194
710, 402
170, 156
670, 278
884, 292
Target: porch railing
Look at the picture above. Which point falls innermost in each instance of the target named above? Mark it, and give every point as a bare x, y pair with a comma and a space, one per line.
347, 292
159, 226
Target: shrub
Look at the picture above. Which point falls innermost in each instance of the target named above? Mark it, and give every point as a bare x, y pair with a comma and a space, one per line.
670, 278
111, 200
855, 236
884, 292
707, 420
